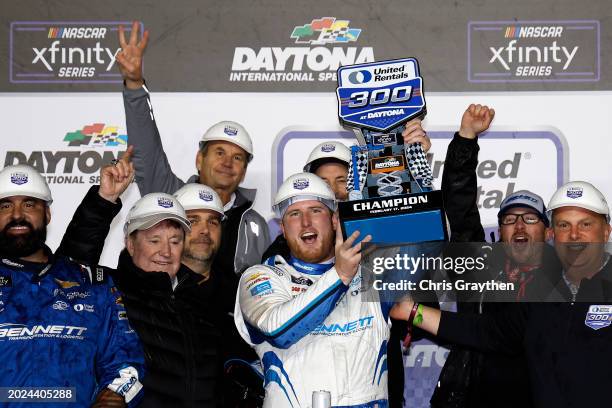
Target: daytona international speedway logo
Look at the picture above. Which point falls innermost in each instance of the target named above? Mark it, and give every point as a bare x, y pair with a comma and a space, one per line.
326, 30
97, 135
318, 49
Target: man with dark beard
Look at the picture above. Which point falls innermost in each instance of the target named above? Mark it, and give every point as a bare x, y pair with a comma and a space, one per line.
19, 238
50, 303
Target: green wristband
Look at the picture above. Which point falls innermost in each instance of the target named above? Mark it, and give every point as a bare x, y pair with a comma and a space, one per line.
418, 318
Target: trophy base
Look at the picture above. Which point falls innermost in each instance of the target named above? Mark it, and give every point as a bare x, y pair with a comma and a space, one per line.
396, 219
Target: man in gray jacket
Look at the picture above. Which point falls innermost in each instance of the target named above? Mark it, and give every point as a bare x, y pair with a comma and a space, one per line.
222, 159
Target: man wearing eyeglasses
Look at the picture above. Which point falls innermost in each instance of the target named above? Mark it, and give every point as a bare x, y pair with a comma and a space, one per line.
523, 227
495, 379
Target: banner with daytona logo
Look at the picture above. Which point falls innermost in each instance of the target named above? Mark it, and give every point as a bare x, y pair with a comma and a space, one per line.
272, 47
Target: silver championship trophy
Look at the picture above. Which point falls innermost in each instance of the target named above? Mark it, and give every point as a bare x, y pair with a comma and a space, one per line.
391, 194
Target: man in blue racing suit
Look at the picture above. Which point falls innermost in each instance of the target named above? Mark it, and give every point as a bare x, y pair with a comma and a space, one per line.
305, 315
64, 334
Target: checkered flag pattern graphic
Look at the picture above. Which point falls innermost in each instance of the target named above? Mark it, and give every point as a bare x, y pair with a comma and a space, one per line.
418, 165
329, 35
361, 160
102, 139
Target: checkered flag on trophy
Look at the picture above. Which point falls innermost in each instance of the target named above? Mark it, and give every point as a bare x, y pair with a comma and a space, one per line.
361, 162
418, 165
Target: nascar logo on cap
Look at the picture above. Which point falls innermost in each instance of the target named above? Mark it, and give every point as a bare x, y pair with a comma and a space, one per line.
205, 195
327, 148
300, 184
165, 202
19, 178
230, 131
574, 192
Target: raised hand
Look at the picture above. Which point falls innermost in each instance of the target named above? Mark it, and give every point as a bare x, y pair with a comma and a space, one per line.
129, 59
116, 178
414, 133
348, 256
476, 119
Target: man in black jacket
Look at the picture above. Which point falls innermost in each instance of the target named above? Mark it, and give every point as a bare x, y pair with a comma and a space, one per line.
523, 225
175, 311
221, 161
568, 345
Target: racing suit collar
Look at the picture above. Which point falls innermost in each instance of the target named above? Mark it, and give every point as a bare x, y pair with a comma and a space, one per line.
34, 267
311, 268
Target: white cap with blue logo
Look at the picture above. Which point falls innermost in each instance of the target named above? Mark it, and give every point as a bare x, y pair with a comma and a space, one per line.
303, 187
196, 196
579, 194
328, 151
228, 131
152, 209
24, 180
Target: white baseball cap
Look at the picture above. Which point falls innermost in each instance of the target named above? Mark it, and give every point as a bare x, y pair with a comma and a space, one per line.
24, 180
154, 208
579, 194
196, 196
228, 131
328, 151
302, 187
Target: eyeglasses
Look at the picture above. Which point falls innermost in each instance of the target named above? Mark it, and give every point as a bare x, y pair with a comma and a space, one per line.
527, 218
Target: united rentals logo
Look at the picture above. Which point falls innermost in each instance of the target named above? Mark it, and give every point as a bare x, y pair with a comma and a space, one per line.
304, 63
533, 51
380, 95
64, 52
70, 166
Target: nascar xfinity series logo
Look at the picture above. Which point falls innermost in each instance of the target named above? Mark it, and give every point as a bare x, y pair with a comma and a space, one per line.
75, 165
322, 49
528, 51
64, 52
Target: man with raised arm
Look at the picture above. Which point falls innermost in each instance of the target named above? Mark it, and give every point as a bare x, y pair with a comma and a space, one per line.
567, 343
221, 161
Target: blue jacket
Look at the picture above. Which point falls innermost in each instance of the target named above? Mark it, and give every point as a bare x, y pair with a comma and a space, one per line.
64, 325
